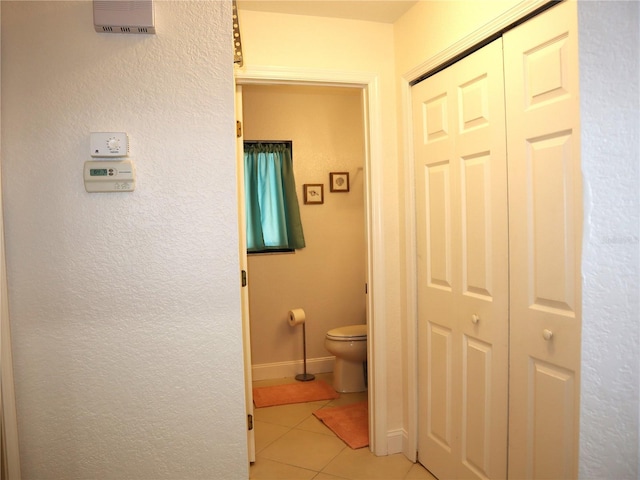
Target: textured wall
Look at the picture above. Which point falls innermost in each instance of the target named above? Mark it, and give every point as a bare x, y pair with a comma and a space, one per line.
610, 125
124, 307
327, 277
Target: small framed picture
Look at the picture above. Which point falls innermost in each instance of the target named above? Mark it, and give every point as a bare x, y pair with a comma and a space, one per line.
313, 193
339, 181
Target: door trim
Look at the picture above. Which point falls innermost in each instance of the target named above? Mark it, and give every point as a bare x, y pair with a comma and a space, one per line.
433, 63
244, 295
8, 412
379, 436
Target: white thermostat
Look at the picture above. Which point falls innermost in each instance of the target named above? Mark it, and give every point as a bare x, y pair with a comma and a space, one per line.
109, 144
109, 176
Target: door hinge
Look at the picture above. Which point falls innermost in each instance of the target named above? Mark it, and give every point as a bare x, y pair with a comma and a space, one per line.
249, 422
238, 128
244, 278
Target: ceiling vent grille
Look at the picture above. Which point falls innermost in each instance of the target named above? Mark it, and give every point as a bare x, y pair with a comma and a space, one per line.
123, 16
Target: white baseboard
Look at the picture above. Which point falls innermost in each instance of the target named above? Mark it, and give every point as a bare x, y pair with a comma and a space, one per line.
267, 371
409, 448
395, 441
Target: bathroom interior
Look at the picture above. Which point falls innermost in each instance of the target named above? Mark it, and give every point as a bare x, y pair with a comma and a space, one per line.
326, 278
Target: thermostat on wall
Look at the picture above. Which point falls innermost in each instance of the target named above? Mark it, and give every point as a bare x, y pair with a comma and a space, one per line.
109, 144
109, 176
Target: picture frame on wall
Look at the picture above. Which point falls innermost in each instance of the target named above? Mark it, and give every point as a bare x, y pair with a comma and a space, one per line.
339, 181
313, 193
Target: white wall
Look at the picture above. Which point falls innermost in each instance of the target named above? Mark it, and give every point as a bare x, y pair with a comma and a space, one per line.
610, 129
124, 307
327, 277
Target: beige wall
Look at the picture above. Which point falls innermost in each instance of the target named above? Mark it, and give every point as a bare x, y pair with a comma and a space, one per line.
433, 26
327, 277
125, 309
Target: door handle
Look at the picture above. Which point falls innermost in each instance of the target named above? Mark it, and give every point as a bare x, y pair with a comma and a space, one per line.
475, 319
547, 334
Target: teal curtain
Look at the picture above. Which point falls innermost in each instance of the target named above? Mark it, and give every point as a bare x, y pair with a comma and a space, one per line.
272, 210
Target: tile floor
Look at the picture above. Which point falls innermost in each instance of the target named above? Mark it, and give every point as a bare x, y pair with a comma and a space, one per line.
292, 444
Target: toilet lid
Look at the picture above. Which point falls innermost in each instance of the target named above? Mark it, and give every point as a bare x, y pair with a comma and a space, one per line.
348, 333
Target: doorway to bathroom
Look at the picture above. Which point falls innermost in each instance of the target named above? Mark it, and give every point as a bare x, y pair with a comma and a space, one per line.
327, 277
357, 158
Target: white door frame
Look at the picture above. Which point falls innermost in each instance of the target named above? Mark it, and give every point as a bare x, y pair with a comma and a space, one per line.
482, 34
8, 412
376, 322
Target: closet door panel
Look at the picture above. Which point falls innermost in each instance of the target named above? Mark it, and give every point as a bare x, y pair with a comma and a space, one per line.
438, 288
461, 202
552, 282
438, 225
440, 356
541, 75
477, 372
476, 226
550, 432
480, 148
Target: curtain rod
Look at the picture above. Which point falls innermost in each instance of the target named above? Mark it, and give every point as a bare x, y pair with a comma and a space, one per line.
268, 141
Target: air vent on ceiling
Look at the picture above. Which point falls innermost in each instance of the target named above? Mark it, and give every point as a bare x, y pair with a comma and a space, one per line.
123, 16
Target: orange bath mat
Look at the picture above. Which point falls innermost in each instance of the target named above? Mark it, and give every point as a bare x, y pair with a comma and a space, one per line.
349, 422
298, 392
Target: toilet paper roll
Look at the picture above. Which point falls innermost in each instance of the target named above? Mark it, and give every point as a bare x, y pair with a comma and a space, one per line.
296, 316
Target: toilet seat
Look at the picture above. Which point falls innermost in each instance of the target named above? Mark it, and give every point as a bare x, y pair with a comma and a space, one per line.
349, 333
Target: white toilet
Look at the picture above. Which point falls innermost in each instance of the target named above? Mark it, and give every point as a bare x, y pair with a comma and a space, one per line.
349, 345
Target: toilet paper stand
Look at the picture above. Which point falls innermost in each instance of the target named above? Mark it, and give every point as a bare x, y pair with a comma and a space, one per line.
304, 377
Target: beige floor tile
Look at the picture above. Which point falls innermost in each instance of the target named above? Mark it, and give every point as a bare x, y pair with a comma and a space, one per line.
287, 415
265, 469
266, 433
418, 472
312, 424
361, 464
324, 476
304, 449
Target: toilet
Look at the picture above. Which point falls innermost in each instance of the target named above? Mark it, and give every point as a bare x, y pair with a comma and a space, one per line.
349, 345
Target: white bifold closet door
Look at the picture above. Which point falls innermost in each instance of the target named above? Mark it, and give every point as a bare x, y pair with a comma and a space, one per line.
545, 232
499, 211
461, 196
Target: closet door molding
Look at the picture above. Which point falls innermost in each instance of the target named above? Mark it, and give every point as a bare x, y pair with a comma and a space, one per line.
479, 37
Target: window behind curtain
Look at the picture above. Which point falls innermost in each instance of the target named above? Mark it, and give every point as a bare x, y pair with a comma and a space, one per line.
273, 213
